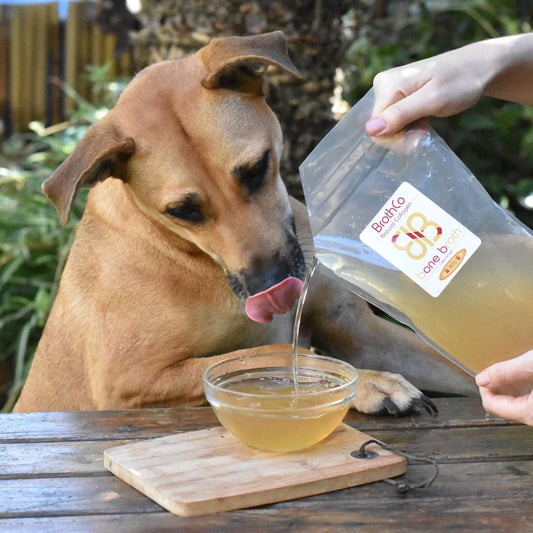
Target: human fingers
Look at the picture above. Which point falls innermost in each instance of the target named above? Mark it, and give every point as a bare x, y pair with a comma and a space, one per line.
398, 115
514, 376
391, 88
517, 408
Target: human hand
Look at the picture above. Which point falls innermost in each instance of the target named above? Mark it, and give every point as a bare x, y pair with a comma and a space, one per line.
449, 83
440, 86
507, 388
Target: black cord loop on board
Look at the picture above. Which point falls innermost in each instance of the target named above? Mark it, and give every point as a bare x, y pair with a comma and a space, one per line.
401, 486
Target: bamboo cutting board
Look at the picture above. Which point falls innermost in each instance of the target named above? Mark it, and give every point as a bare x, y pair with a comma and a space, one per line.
210, 470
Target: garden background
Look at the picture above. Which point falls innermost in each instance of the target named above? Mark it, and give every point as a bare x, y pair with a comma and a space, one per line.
338, 46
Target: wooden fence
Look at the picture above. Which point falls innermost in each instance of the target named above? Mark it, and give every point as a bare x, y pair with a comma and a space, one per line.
38, 51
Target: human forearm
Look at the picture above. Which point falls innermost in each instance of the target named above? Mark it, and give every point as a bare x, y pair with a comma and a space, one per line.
513, 68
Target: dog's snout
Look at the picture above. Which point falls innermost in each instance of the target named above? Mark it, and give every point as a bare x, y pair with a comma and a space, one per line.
265, 272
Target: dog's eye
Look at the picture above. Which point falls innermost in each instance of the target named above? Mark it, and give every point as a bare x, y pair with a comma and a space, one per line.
253, 177
187, 210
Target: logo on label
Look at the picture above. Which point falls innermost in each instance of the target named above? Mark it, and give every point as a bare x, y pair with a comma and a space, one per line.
415, 233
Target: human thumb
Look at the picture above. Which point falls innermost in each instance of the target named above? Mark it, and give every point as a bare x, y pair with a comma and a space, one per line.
513, 375
397, 116
483, 378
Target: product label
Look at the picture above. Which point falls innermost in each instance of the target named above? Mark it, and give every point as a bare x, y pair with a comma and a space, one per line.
420, 239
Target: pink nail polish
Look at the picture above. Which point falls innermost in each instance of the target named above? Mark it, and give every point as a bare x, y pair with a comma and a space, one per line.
375, 125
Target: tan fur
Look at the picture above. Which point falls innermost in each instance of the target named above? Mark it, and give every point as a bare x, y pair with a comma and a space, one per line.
144, 304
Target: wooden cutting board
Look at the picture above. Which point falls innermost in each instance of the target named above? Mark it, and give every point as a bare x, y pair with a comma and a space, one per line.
209, 471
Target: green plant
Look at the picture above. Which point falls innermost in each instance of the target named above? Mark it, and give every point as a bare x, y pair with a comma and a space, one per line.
33, 246
494, 138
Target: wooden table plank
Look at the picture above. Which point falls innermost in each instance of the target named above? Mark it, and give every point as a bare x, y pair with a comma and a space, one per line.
105, 425
85, 458
482, 484
399, 517
134, 423
465, 445
107, 494
70, 496
52, 459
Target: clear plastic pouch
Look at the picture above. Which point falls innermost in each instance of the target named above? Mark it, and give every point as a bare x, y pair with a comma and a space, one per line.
412, 231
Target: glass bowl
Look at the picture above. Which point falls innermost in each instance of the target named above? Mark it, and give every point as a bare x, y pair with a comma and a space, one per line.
255, 398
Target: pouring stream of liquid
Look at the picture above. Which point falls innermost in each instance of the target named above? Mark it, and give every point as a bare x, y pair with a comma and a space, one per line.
296, 325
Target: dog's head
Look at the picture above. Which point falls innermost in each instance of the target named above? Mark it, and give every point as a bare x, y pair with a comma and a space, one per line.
199, 148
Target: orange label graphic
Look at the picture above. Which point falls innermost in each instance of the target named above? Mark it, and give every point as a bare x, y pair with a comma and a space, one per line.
452, 264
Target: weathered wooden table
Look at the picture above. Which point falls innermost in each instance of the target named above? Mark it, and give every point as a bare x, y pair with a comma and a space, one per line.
52, 476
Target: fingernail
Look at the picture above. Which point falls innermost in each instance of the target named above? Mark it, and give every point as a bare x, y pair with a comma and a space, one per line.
483, 379
375, 125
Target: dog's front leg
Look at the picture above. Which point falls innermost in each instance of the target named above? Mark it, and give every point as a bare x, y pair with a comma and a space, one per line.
179, 384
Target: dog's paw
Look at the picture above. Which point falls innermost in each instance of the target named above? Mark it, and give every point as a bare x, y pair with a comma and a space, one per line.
384, 392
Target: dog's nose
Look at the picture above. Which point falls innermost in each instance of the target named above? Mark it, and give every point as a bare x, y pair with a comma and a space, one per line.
261, 276
265, 272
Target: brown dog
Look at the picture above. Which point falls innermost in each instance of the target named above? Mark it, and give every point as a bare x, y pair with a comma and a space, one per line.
186, 219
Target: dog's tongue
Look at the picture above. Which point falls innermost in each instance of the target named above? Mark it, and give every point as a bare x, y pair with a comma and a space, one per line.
278, 299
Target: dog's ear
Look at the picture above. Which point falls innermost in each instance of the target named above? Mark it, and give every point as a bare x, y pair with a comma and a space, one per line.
100, 154
239, 63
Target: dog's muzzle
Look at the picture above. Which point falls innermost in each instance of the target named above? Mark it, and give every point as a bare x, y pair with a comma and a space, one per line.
271, 286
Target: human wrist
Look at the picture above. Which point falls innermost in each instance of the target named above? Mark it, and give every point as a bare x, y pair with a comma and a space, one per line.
483, 62
509, 68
